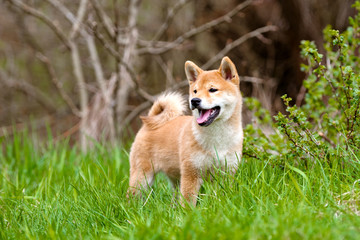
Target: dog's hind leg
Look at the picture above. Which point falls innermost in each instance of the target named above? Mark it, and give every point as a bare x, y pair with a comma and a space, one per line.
141, 177
140, 181
175, 183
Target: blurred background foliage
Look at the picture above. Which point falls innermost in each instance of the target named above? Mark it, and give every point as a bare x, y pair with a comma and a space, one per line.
269, 63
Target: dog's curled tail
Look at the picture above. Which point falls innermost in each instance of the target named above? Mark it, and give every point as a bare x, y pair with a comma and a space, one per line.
167, 107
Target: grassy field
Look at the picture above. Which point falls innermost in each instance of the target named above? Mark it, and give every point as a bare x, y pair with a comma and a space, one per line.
53, 191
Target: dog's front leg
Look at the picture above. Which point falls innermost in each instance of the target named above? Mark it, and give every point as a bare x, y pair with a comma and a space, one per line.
190, 183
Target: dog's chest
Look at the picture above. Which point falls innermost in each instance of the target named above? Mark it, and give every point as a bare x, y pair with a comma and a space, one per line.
219, 159
220, 138
221, 146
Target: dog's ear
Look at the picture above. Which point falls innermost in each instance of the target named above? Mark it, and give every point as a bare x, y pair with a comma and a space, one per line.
228, 71
192, 71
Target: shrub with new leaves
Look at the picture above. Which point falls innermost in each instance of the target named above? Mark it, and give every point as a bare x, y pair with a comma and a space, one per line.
327, 125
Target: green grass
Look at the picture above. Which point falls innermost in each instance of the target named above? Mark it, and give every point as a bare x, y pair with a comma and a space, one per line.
54, 191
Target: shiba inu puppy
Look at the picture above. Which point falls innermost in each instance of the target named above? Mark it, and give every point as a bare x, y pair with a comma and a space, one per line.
185, 147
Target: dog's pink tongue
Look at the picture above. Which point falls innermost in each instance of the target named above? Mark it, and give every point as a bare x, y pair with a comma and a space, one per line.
204, 115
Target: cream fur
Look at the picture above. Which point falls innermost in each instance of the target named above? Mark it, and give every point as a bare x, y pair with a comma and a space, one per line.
177, 145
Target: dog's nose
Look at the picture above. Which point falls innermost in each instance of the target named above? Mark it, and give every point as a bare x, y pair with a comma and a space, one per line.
195, 102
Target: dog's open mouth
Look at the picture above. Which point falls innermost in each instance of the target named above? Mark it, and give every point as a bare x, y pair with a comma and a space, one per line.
207, 116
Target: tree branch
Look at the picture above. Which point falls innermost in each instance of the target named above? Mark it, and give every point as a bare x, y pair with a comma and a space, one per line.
166, 69
228, 48
104, 19
79, 19
236, 43
37, 14
28, 89
171, 13
225, 18
75, 54
134, 113
99, 74
125, 83
51, 71
45, 60
78, 72
133, 78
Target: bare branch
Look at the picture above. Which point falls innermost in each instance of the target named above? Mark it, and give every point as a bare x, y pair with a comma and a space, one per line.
236, 43
123, 61
104, 19
58, 5
321, 134
125, 84
75, 56
227, 48
97, 65
78, 72
90, 43
252, 79
68, 132
51, 71
35, 124
301, 95
69, 44
166, 69
171, 13
134, 113
79, 19
119, 59
98, 123
41, 16
28, 89
45, 60
225, 18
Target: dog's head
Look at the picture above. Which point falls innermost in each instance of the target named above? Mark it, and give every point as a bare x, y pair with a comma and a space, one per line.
213, 94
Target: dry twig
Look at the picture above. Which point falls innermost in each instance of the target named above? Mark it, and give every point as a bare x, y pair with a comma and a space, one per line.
79, 19
40, 54
125, 84
171, 13
237, 42
28, 89
225, 18
104, 19
41, 16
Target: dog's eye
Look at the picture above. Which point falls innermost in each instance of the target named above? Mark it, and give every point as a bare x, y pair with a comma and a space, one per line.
212, 90
195, 91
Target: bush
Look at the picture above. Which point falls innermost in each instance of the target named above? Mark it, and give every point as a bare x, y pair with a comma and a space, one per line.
327, 125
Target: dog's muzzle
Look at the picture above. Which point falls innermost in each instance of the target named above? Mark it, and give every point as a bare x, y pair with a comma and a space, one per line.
195, 103
206, 116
